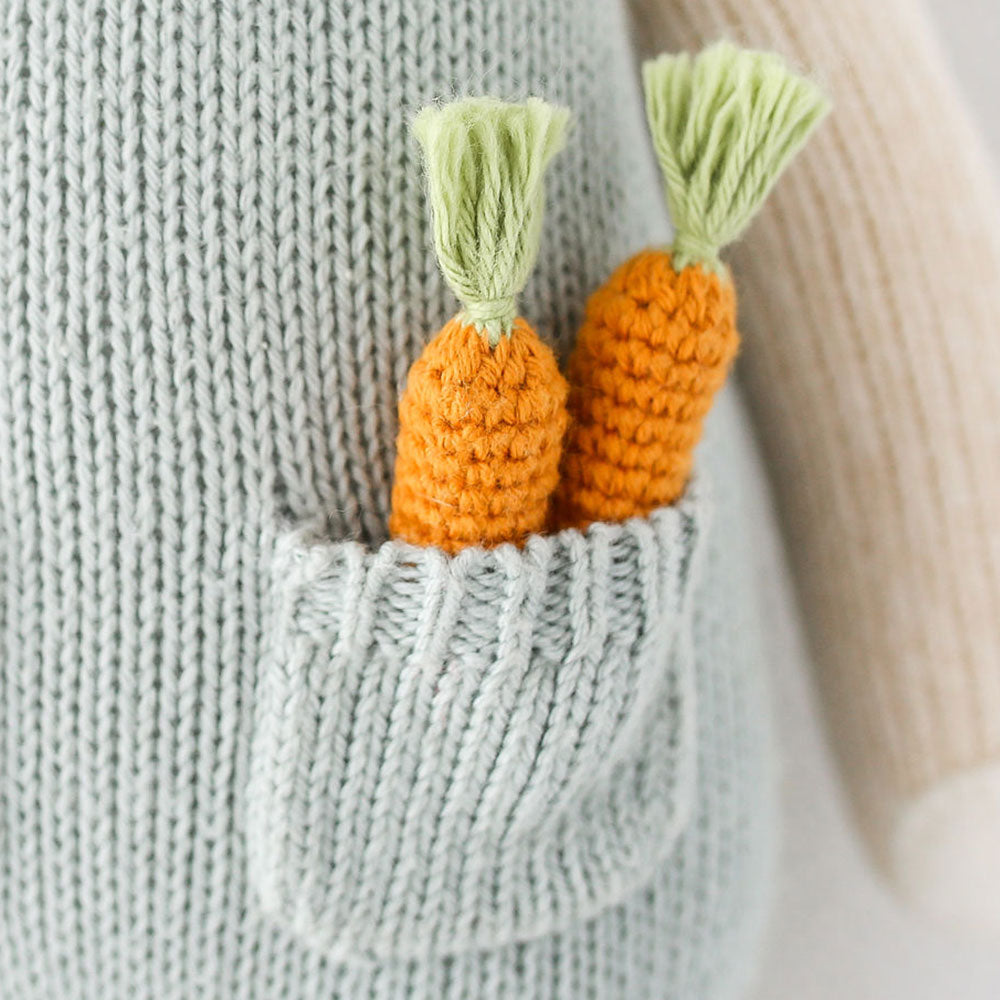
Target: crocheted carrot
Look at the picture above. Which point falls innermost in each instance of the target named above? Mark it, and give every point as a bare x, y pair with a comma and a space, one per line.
658, 338
482, 418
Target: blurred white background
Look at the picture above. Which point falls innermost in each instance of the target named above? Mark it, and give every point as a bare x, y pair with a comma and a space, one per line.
839, 934
970, 31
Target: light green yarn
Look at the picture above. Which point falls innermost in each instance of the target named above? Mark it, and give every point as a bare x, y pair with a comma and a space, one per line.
724, 124
486, 163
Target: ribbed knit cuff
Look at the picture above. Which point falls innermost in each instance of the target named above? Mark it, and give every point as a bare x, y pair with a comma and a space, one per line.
455, 753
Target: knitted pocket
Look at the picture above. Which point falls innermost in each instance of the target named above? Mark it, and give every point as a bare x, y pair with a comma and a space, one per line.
459, 752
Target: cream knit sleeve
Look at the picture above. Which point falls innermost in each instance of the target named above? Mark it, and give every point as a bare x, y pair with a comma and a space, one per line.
870, 306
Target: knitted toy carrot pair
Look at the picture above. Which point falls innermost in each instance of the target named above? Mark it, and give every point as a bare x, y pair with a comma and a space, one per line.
483, 415
485, 409
658, 338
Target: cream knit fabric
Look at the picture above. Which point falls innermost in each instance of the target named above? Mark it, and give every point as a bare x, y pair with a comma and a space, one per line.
870, 303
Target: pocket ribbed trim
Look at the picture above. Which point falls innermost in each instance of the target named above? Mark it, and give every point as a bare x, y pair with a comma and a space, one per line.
458, 752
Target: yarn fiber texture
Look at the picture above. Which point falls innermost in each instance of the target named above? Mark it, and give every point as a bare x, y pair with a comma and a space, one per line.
725, 124
481, 432
485, 162
654, 348
217, 270
543, 720
660, 336
483, 414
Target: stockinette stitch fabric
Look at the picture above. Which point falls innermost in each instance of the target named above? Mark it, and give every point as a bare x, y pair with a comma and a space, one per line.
249, 748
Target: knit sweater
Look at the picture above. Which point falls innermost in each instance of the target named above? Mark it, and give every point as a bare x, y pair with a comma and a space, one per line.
249, 749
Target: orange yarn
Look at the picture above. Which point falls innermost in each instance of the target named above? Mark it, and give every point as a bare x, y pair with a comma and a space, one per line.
481, 431
654, 348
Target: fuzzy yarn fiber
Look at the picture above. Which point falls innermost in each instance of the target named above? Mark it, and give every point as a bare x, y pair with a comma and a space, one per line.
654, 348
481, 436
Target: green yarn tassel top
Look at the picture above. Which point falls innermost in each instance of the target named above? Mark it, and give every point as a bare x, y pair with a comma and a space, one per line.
724, 123
485, 162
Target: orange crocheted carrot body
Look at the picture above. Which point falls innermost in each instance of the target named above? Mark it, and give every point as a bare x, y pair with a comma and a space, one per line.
653, 350
481, 431
659, 337
483, 415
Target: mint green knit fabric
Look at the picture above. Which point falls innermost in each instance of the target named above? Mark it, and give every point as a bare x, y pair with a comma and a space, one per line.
249, 749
